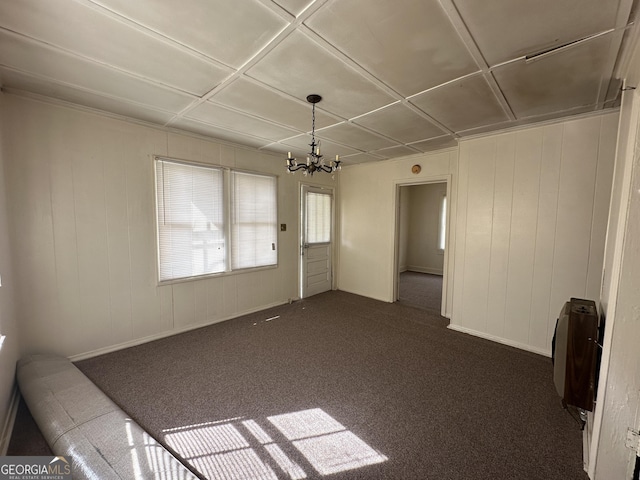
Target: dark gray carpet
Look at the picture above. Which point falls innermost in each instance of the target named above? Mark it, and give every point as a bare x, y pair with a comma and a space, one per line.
361, 381
337, 381
421, 290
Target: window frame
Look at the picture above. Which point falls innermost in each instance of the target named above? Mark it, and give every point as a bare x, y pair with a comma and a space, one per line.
227, 198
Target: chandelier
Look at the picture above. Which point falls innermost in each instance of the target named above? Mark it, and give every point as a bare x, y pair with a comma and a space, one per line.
315, 162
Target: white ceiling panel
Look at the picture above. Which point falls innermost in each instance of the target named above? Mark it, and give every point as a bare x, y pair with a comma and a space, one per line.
445, 141
230, 32
245, 95
277, 148
11, 80
221, 133
300, 147
354, 136
35, 58
398, 151
506, 29
410, 46
396, 77
360, 158
129, 49
223, 117
294, 7
557, 82
299, 67
463, 104
400, 123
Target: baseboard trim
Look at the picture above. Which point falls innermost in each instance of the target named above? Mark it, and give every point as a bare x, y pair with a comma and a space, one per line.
9, 421
432, 271
504, 341
168, 333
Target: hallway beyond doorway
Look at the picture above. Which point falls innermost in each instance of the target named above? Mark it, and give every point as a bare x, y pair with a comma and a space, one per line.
422, 290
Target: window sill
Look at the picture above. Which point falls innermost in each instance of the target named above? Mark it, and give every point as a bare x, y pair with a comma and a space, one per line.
209, 276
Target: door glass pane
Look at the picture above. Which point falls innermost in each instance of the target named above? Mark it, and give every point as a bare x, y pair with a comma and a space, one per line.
318, 215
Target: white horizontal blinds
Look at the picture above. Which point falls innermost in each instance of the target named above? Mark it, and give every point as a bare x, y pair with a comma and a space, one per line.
318, 218
191, 231
253, 220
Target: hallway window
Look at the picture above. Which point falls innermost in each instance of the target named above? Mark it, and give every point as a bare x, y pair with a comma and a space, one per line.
442, 231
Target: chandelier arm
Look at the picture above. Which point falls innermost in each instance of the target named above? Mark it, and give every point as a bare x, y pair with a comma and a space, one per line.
301, 166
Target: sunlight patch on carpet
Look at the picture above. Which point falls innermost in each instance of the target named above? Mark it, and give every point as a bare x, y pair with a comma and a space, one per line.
243, 449
324, 442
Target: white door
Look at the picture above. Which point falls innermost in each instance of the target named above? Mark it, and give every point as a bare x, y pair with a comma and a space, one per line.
316, 248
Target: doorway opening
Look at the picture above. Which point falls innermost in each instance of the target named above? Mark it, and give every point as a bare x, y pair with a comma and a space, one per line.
421, 239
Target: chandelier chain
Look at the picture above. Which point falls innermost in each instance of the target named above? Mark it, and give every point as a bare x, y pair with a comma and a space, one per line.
313, 124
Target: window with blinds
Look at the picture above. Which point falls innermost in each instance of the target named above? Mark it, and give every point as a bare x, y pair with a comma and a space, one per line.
253, 226
194, 236
318, 218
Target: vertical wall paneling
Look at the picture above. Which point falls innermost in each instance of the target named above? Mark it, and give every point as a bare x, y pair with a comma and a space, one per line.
65, 236
81, 200
91, 232
215, 300
166, 308
478, 229
201, 303
146, 304
31, 227
230, 294
501, 235
117, 223
575, 210
524, 215
10, 351
184, 304
539, 331
530, 224
452, 206
604, 180
460, 232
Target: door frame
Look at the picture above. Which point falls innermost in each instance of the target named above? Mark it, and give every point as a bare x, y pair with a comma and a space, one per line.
446, 290
301, 220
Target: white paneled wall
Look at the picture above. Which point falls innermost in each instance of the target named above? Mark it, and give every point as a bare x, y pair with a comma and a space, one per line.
530, 230
81, 206
368, 216
9, 338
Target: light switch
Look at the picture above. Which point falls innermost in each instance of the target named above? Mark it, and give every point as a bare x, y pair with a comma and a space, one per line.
283, 227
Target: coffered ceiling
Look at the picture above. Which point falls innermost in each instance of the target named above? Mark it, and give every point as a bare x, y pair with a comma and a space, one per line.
397, 76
